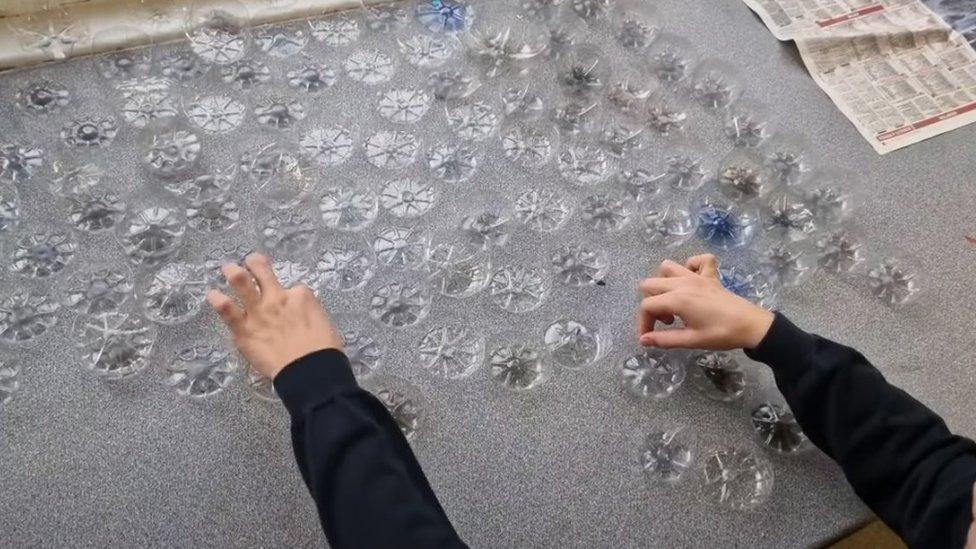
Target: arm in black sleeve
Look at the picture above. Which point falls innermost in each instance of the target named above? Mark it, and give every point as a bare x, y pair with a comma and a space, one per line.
367, 485
898, 455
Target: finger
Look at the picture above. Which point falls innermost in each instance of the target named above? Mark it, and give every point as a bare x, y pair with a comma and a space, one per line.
670, 269
659, 306
657, 286
260, 268
229, 312
241, 281
684, 338
645, 323
704, 264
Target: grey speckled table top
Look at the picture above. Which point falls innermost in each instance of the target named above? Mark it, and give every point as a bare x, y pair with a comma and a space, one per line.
85, 463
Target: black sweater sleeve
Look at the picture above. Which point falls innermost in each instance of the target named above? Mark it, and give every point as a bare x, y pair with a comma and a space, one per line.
367, 485
898, 455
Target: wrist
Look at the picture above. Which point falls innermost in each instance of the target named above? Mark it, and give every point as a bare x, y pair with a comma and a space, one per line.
757, 327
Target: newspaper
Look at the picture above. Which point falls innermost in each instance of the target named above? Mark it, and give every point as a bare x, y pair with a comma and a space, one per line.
896, 69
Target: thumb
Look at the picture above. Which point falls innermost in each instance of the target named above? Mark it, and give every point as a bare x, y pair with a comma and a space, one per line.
683, 338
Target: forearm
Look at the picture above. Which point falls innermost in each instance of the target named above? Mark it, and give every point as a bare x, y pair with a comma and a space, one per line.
898, 455
367, 485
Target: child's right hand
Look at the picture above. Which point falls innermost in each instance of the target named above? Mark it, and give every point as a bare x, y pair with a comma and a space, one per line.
713, 317
273, 326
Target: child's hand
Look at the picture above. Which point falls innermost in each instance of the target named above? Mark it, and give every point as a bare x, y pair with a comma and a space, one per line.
714, 318
275, 326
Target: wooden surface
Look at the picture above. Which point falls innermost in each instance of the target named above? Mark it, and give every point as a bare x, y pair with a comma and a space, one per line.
873, 536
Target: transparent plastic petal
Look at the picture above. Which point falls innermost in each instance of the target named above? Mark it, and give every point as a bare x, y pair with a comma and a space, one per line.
717, 375
311, 78
452, 163
404, 403
671, 58
475, 121
245, 74
540, 210
391, 150
519, 289
175, 293
725, 225
715, 84
652, 374
486, 230
288, 232
348, 208
369, 67
575, 265
151, 235
457, 271
572, 345
407, 198
747, 123
838, 252
530, 146
892, 282
202, 371
748, 283
787, 218
403, 105
400, 247
43, 97
787, 265
583, 72
328, 146
43, 253
139, 109
778, 429
335, 31
421, 50
115, 345
9, 380
169, 149
584, 164
26, 315
399, 305
742, 176
364, 353
98, 290
516, 367
19, 162
736, 478
447, 16
279, 112
667, 224
9, 208
788, 158
215, 114
183, 66
218, 36
344, 268
451, 352
605, 212
665, 456
635, 24
90, 132
282, 41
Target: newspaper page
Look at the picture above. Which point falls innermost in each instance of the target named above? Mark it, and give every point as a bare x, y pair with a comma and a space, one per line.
896, 69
